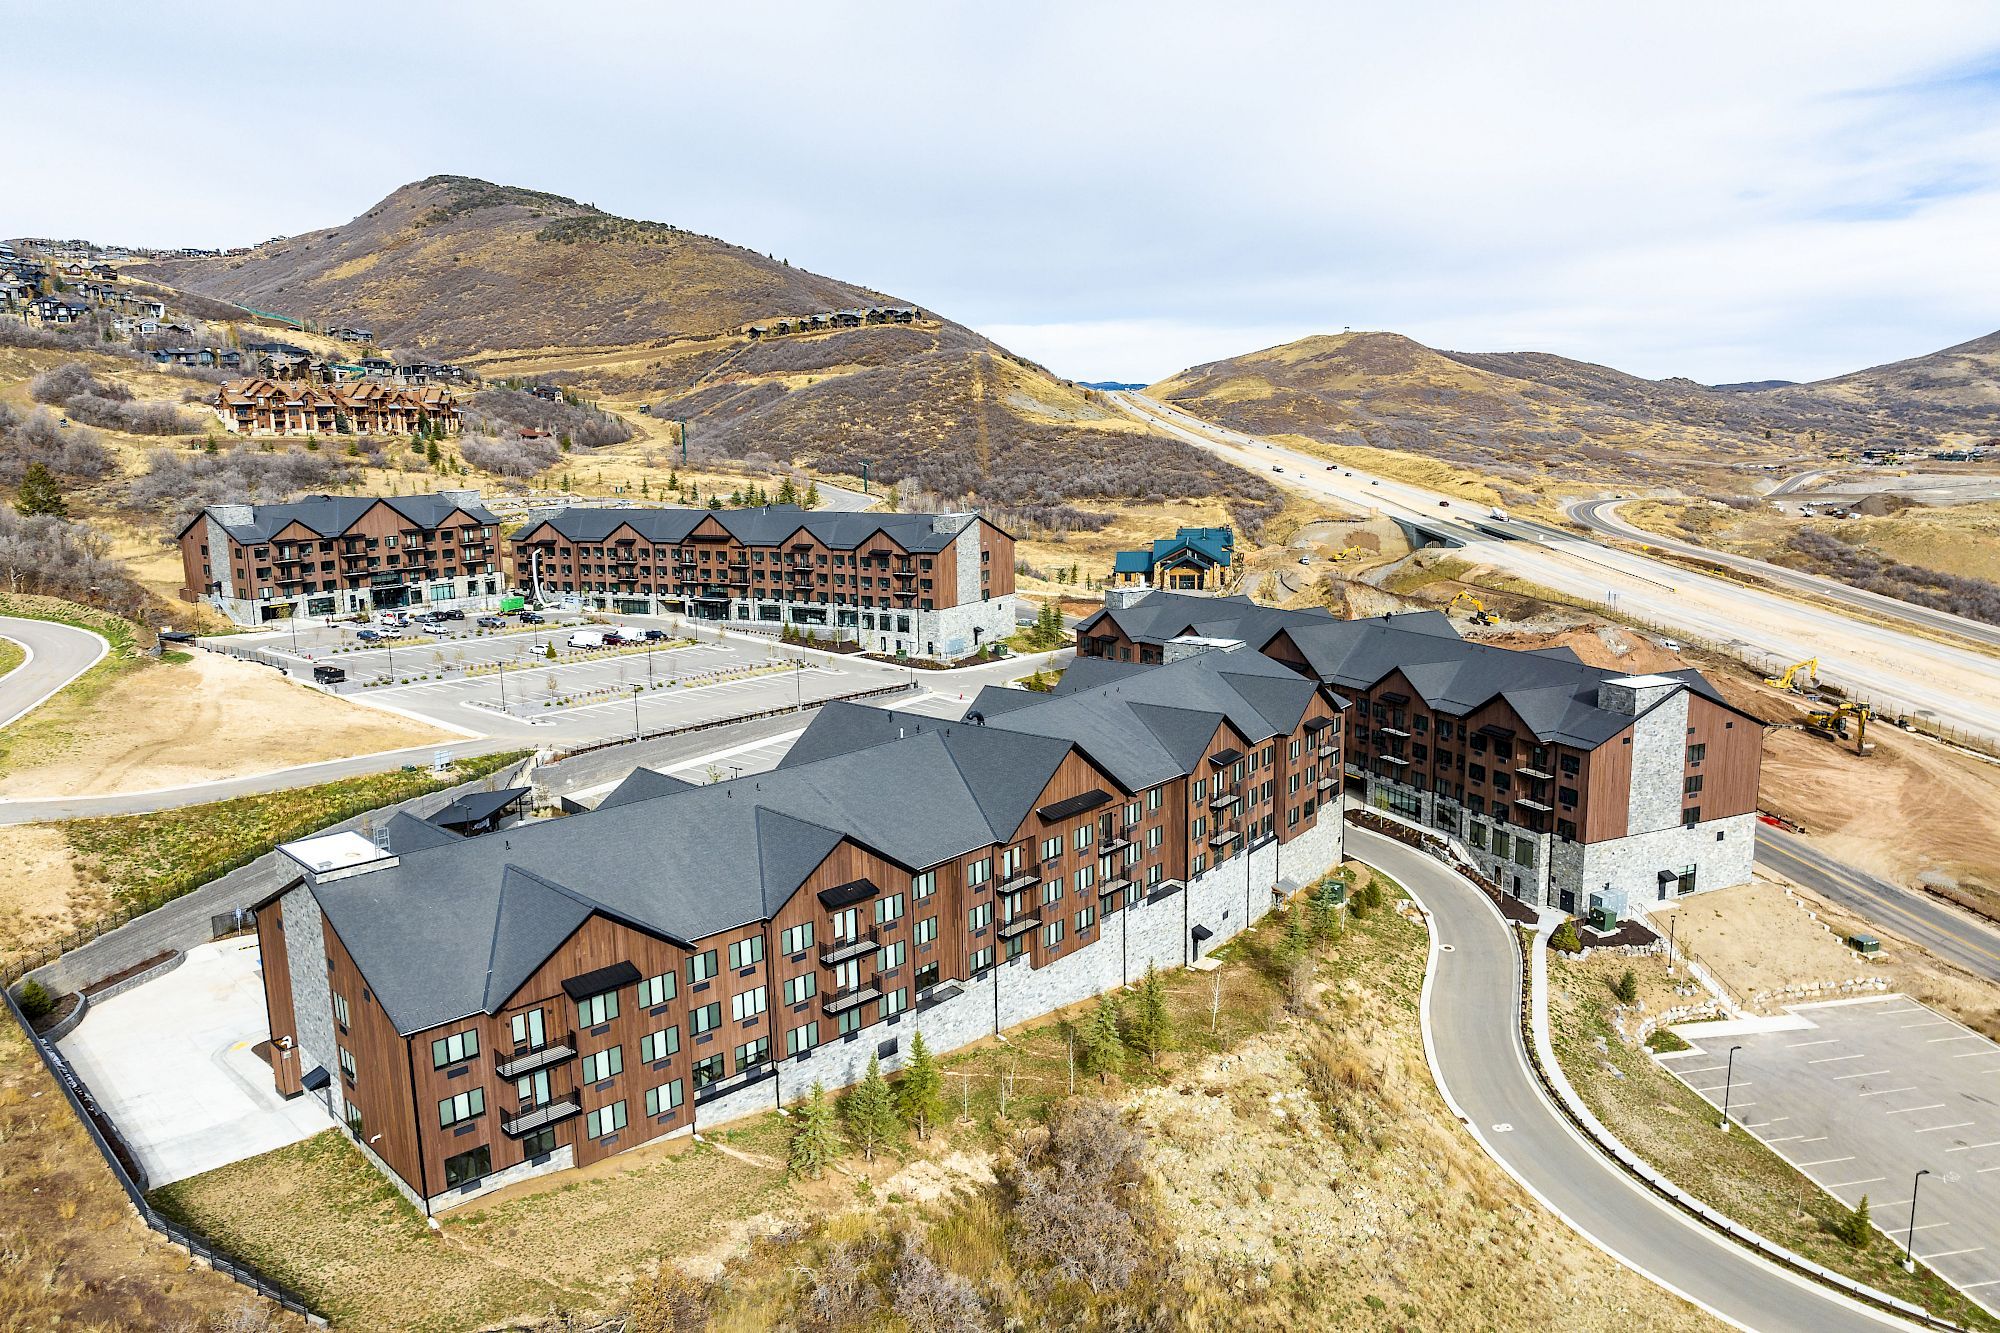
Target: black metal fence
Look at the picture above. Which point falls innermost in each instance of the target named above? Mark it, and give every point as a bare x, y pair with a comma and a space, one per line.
125, 1169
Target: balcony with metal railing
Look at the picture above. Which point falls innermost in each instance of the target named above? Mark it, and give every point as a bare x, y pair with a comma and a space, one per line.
841, 951
528, 1119
515, 1064
840, 1001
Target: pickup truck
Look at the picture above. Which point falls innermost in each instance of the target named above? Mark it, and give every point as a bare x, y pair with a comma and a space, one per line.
329, 675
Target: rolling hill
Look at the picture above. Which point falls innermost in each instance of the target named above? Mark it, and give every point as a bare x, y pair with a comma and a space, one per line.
520, 283
1537, 417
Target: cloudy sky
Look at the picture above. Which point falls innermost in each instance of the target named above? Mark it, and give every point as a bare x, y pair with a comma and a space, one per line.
1719, 190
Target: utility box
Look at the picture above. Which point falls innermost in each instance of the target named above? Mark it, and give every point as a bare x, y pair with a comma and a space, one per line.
1864, 944
1604, 920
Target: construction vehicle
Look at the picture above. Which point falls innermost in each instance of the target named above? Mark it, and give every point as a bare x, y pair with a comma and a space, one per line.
1798, 676
1480, 615
1346, 551
1832, 723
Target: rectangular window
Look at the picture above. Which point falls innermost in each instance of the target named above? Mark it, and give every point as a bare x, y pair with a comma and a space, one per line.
1697, 753
753, 1053
451, 1050
848, 1021
891, 956
527, 1028
1085, 877
663, 1099
468, 1166
980, 917
801, 988
1052, 934
894, 1002
1691, 816
597, 1010
982, 959
926, 930
608, 1120
923, 886
701, 967
1200, 790
888, 909
746, 953
797, 939
467, 1105
747, 1004
656, 991
705, 1019
1132, 813
1153, 798
978, 872
607, 1063
346, 1062
1155, 836
1084, 835
1692, 785
1085, 919
1200, 863
1052, 848
340, 1010
657, 1046
708, 1071
802, 1038
846, 925
1524, 852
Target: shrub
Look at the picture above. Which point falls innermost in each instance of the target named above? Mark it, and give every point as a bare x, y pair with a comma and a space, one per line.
1564, 939
67, 451
179, 483
1855, 1227
509, 455
495, 410
35, 999
1079, 1197
107, 403
1626, 987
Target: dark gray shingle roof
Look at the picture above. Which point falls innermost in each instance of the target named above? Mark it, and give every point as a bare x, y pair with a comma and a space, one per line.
766, 525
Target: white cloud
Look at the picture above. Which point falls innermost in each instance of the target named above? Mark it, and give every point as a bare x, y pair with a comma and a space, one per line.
1120, 190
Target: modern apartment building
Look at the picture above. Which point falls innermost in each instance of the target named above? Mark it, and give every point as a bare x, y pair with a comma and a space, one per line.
330, 555
926, 585
1570, 786
484, 1009
281, 404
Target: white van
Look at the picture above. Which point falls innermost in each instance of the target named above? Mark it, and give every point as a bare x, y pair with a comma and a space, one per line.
586, 638
1498, 513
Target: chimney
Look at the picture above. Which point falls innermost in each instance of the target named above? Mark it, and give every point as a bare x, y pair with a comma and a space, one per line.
1125, 596
949, 524
233, 515
1633, 695
1194, 645
461, 498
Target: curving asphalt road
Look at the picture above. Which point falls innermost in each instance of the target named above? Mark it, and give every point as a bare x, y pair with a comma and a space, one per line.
1951, 934
57, 655
1473, 1036
1601, 516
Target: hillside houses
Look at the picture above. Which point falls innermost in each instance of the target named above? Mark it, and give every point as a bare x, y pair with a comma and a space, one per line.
264, 406
835, 319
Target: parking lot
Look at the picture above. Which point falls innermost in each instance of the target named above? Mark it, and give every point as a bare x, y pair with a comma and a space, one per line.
506, 683
171, 1062
1861, 1095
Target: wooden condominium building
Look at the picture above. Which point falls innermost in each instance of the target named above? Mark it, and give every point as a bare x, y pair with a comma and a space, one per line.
298, 407
1570, 786
925, 585
1192, 560
328, 555
479, 1010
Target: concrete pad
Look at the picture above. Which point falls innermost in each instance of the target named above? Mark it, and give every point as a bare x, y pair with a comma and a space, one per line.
171, 1062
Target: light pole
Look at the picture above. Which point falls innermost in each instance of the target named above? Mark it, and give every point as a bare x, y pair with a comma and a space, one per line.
1728, 1082
635, 712
503, 684
1910, 1239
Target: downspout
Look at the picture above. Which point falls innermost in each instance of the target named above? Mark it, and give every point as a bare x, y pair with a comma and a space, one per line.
416, 1124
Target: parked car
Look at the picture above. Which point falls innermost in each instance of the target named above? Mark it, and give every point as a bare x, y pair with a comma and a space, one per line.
490, 622
654, 636
1276, 468
432, 627
329, 675
368, 635
449, 613
532, 618
612, 638
586, 638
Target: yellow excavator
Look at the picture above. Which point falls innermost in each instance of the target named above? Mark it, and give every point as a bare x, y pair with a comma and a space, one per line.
1480, 615
1832, 723
1798, 675
1346, 551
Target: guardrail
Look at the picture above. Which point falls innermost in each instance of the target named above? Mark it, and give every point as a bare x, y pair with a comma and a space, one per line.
126, 1171
1569, 1104
878, 692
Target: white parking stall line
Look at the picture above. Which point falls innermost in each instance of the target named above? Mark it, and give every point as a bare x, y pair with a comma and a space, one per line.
1927, 1226
1886, 1092
1786, 1138
1970, 1055
1968, 1147
1825, 1041
1826, 1161
1906, 1110
1761, 1123
1969, 1036
1819, 1139
1705, 1069
1873, 1073
1946, 1254
1974, 1286
1985, 1169
1835, 1059
1927, 1023
1740, 1083
1932, 1129
1845, 1184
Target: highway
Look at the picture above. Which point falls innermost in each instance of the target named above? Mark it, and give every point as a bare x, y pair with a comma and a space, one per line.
1951, 934
1471, 1012
1943, 682
57, 655
1602, 516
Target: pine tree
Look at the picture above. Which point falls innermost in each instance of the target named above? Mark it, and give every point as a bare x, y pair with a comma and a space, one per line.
871, 1111
674, 479
788, 493
1152, 1022
432, 454
1854, 1227
714, 502
736, 498
812, 500
645, 489
813, 1147
40, 494
920, 1094
1100, 1047
891, 501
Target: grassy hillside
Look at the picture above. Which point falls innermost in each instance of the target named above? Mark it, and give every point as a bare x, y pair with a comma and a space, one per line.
1545, 421
453, 265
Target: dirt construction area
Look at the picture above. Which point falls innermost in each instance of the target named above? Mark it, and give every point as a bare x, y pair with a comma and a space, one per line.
210, 717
